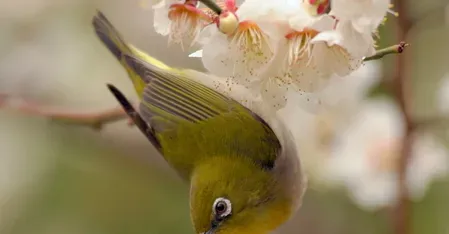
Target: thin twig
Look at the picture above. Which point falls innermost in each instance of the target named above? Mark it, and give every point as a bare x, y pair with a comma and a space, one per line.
212, 5
396, 49
93, 120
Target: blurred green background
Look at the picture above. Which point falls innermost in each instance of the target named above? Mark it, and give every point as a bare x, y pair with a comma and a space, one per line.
58, 179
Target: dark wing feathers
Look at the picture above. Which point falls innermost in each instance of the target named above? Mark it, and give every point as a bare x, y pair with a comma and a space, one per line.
109, 35
134, 115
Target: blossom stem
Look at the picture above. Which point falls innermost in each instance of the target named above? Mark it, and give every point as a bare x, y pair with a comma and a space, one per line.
212, 5
93, 120
395, 49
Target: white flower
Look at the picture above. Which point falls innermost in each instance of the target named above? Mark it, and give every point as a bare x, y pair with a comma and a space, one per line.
315, 131
364, 15
283, 47
300, 57
182, 21
429, 162
242, 55
365, 158
443, 95
351, 90
320, 47
348, 46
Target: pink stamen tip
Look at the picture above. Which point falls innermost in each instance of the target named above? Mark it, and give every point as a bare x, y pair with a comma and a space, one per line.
291, 35
321, 9
312, 2
230, 5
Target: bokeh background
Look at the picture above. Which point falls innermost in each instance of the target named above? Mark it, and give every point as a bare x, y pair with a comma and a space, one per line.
56, 178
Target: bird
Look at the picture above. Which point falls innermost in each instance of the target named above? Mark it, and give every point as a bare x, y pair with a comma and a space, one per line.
243, 169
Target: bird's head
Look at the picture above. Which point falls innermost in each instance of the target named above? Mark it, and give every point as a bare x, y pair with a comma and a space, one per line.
233, 196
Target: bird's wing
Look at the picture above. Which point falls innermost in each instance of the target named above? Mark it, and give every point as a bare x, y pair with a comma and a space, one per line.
176, 106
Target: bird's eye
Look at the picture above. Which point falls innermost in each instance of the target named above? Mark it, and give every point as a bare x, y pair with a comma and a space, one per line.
222, 207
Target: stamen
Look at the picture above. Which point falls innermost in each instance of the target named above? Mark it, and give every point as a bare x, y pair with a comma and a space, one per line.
391, 11
185, 23
298, 43
249, 51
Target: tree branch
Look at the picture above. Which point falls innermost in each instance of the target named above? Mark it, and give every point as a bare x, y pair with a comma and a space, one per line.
395, 49
402, 210
93, 120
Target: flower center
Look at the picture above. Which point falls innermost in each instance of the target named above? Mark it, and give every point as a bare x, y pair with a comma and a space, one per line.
251, 43
384, 155
179, 10
299, 48
186, 21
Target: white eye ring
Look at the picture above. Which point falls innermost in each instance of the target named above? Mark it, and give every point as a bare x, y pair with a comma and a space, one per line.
222, 207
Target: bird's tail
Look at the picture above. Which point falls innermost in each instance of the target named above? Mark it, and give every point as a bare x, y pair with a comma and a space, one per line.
112, 39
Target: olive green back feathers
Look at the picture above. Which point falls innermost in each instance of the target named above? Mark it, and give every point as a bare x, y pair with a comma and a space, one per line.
188, 121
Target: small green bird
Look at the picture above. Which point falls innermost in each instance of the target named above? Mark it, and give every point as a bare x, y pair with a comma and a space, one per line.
244, 173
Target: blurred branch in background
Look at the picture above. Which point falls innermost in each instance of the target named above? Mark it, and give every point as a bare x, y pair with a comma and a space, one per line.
93, 120
402, 214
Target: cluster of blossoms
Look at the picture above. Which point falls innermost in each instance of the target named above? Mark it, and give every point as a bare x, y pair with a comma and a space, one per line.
275, 48
357, 143
366, 156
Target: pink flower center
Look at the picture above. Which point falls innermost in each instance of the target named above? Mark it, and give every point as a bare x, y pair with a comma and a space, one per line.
186, 9
384, 155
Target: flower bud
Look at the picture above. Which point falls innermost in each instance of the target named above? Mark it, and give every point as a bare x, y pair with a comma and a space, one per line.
227, 23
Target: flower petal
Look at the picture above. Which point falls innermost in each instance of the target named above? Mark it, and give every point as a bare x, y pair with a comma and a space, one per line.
196, 54
366, 14
161, 22
303, 20
241, 56
274, 10
429, 161
357, 44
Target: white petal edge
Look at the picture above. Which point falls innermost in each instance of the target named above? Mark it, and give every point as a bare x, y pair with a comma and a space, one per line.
196, 54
